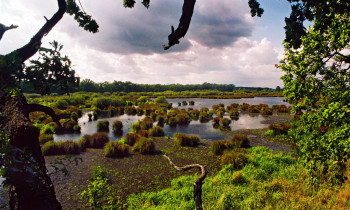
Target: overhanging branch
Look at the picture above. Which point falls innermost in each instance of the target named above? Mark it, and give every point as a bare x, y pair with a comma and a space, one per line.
32, 47
47, 110
185, 20
4, 28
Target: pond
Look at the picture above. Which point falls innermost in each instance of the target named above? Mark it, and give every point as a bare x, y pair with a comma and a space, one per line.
204, 130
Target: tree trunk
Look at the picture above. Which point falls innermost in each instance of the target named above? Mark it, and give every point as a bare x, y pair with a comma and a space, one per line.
31, 187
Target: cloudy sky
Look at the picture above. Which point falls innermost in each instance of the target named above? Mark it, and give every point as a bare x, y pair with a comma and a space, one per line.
224, 43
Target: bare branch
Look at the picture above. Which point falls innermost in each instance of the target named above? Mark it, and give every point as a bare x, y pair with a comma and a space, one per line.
185, 20
32, 47
4, 28
197, 193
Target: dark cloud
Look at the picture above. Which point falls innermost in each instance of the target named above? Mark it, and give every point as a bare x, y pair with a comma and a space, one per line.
143, 31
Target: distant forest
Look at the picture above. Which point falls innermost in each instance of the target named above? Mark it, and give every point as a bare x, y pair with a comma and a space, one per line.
88, 85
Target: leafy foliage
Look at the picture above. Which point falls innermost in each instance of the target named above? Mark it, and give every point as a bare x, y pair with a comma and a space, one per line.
316, 81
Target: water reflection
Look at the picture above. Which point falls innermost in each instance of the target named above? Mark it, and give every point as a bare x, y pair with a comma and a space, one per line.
204, 102
204, 130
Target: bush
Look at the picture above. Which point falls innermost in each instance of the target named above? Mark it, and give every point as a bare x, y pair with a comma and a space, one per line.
61, 148
216, 120
269, 133
186, 140
237, 159
172, 122
117, 126
98, 140
144, 146
84, 141
266, 111
61, 104
102, 125
191, 103
116, 149
157, 131
160, 120
131, 138
280, 128
161, 99
240, 141
143, 133
146, 123
183, 119
204, 117
47, 129
43, 138
225, 122
76, 128
219, 146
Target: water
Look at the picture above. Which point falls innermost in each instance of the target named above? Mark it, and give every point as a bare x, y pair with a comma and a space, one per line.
204, 130
204, 102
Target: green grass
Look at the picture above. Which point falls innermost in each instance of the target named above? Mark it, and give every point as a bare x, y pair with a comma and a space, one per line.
270, 180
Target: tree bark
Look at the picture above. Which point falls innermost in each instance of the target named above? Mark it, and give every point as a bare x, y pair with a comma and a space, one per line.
31, 186
197, 193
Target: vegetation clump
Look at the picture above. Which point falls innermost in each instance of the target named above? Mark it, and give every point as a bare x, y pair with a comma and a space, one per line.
102, 125
98, 140
219, 146
117, 126
237, 158
144, 146
186, 140
43, 138
156, 131
240, 141
61, 148
280, 128
131, 138
116, 149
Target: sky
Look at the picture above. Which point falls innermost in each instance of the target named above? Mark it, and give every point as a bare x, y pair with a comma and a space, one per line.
223, 45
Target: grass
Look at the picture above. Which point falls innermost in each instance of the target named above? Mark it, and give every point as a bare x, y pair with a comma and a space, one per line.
271, 180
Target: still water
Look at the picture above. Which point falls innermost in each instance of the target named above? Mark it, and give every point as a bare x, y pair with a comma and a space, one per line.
204, 130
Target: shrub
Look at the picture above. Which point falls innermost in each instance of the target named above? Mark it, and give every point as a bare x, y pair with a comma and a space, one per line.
61, 104
47, 129
204, 117
144, 146
254, 109
237, 159
219, 146
68, 126
191, 103
116, 149
244, 106
102, 125
225, 122
216, 120
76, 128
186, 140
146, 123
266, 111
157, 131
130, 110
61, 148
183, 119
269, 133
117, 126
172, 122
280, 128
184, 103
98, 140
84, 141
136, 126
131, 138
240, 141
161, 99
160, 120
43, 138
143, 133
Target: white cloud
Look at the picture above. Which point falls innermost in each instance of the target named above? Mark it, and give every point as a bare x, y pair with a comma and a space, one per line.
128, 46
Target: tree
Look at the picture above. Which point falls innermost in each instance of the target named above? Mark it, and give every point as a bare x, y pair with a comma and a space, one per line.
316, 82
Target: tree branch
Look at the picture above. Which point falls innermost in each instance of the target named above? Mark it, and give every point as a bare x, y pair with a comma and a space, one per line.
4, 28
45, 109
197, 193
32, 47
185, 20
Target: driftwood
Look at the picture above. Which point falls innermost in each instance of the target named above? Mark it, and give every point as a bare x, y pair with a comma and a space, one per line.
197, 193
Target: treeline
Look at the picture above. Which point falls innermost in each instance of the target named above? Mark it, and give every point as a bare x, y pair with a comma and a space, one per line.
88, 85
